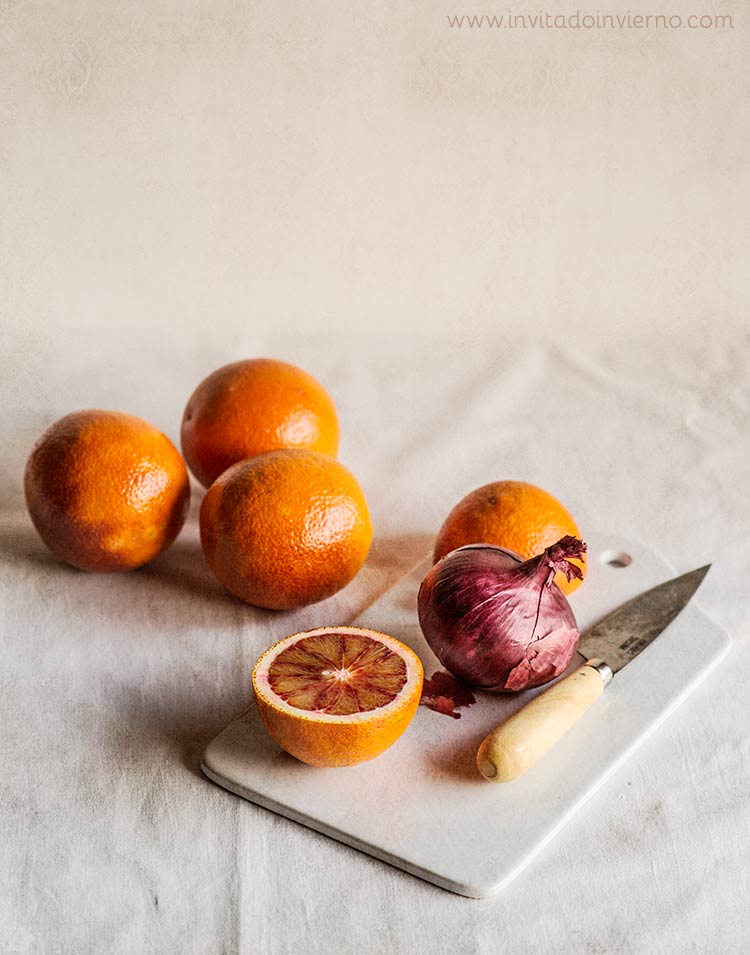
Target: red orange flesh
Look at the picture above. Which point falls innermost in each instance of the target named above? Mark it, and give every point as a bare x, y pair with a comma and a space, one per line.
338, 695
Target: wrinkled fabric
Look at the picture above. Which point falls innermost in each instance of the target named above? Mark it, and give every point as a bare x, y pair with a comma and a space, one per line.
112, 685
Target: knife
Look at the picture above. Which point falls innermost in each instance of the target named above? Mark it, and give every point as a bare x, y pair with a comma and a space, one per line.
515, 745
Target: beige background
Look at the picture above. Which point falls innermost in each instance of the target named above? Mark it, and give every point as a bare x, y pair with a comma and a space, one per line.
176, 166
506, 255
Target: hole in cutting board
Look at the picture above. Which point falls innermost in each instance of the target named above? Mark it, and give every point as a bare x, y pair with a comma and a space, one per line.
616, 558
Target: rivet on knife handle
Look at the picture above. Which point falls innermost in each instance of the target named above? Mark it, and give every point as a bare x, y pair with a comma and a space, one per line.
515, 745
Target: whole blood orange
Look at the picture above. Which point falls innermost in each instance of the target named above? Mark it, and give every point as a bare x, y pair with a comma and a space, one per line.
253, 406
285, 529
106, 491
338, 695
511, 514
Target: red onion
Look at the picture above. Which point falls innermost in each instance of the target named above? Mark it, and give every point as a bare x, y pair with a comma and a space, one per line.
497, 622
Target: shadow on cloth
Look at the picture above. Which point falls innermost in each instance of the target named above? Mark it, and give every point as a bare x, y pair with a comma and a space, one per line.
189, 721
170, 650
183, 569
167, 648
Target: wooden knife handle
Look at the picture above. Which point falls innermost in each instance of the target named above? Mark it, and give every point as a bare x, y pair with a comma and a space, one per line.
515, 745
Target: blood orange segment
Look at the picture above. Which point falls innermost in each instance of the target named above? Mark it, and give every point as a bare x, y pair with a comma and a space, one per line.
338, 695
337, 673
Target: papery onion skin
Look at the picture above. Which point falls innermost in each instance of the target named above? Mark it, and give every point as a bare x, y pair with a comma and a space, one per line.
497, 622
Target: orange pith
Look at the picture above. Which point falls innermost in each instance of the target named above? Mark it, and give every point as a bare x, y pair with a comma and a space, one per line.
338, 695
512, 514
337, 673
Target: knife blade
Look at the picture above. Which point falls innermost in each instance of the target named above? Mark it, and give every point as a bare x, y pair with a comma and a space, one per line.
516, 744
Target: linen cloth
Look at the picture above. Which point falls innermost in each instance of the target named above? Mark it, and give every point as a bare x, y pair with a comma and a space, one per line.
507, 254
114, 684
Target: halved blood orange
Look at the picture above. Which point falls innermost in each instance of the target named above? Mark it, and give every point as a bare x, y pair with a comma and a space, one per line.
337, 695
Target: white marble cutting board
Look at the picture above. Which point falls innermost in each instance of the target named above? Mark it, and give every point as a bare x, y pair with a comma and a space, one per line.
422, 806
